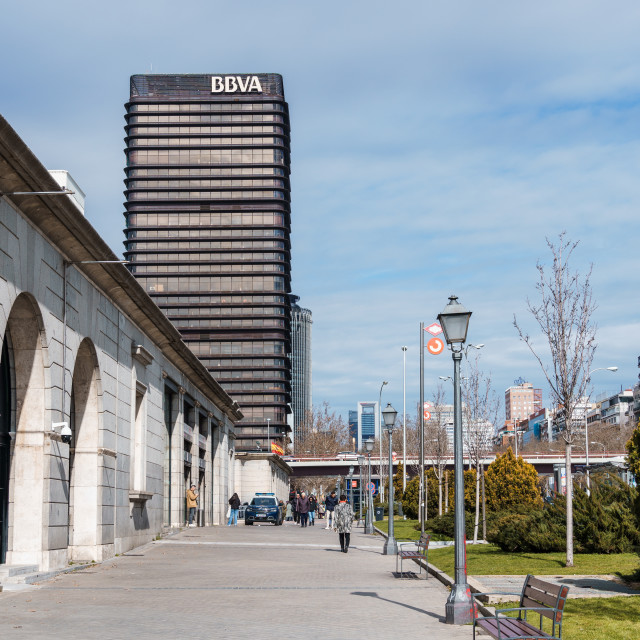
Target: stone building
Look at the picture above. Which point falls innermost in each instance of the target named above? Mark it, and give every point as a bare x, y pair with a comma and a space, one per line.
106, 416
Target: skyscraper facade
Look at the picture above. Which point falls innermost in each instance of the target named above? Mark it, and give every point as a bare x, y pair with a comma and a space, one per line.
301, 365
208, 229
368, 422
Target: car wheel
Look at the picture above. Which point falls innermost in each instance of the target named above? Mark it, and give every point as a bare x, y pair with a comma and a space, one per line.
250, 523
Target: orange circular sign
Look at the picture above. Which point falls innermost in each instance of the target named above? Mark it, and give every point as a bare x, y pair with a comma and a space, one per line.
435, 346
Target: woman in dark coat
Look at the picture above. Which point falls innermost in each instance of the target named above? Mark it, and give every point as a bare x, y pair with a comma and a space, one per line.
234, 508
303, 509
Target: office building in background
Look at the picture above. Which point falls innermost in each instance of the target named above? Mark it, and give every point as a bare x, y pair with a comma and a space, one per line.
300, 366
208, 230
368, 422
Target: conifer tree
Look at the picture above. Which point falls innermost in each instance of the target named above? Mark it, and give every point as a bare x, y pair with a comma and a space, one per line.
511, 481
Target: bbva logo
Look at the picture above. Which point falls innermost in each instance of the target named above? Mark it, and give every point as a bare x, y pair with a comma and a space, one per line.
231, 84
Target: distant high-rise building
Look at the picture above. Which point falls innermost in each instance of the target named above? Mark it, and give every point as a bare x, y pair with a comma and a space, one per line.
368, 422
353, 427
521, 401
300, 365
208, 225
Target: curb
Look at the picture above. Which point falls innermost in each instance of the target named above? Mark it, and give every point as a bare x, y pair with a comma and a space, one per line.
447, 581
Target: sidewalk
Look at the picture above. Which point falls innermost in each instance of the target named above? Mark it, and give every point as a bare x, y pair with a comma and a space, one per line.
235, 582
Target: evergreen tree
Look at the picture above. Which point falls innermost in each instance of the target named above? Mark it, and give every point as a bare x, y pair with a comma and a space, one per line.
511, 482
633, 449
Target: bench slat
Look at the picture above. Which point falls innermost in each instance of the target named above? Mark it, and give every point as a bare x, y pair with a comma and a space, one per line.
554, 589
539, 596
511, 628
547, 613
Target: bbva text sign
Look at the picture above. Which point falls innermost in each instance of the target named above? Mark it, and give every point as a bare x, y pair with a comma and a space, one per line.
232, 84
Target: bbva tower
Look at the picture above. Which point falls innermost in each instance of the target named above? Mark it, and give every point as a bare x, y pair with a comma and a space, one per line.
208, 229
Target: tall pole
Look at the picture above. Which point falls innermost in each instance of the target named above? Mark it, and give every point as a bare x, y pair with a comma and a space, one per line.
360, 483
268, 435
380, 439
390, 546
459, 607
404, 419
586, 449
368, 526
421, 498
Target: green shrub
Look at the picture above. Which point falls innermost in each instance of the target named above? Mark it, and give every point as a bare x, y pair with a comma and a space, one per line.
604, 522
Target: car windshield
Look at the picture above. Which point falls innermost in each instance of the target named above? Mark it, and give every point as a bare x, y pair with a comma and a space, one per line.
263, 502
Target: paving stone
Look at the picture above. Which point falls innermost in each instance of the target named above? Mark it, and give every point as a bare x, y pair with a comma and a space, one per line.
236, 582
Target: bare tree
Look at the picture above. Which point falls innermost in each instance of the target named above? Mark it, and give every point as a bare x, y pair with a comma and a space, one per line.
437, 440
481, 405
323, 434
563, 314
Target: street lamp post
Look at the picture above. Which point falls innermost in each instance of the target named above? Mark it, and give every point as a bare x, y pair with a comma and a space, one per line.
360, 465
604, 448
390, 546
586, 428
404, 418
384, 383
459, 608
268, 435
368, 527
350, 491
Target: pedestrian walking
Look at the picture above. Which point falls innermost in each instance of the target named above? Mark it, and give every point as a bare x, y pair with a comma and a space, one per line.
330, 503
289, 515
313, 505
303, 509
343, 519
192, 504
234, 509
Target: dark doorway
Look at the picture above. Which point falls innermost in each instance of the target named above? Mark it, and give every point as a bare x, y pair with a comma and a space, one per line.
5, 446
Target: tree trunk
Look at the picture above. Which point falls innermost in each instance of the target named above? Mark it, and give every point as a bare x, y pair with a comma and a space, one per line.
569, 505
484, 506
440, 493
477, 522
446, 491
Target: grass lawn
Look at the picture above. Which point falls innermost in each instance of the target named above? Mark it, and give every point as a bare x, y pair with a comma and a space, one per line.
487, 559
597, 618
405, 529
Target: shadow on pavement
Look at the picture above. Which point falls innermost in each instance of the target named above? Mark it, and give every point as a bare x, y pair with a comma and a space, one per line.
373, 594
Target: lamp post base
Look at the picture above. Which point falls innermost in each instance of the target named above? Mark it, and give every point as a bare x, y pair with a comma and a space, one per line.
460, 608
390, 547
368, 527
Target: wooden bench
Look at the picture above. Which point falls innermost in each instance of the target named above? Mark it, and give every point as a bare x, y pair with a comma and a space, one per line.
420, 551
538, 598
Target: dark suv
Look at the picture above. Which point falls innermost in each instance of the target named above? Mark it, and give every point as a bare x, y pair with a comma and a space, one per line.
264, 507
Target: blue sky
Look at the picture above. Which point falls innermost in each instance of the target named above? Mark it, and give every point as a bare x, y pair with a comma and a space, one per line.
434, 146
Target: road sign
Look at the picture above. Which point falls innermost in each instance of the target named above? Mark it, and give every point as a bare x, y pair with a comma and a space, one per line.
435, 346
434, 329
354, 484
427, 405
394, 455
427, 416
371, 487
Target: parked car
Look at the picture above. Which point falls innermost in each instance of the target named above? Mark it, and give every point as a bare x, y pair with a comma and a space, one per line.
264, 507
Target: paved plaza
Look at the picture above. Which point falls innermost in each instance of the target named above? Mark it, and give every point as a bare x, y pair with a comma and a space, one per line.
235, 582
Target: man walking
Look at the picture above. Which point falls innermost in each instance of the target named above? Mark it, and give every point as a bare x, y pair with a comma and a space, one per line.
330, 504
303, 509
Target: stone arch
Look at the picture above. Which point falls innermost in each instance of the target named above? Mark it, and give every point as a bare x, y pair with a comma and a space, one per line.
30, 394
84, 496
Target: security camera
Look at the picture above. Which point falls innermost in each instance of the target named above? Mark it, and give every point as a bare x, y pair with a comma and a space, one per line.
64, 430
65, 434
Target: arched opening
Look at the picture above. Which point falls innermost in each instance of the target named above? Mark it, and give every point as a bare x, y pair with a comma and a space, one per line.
28, 397
84, 496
